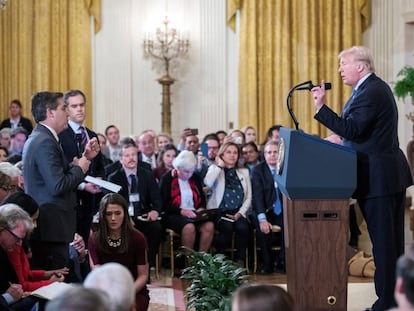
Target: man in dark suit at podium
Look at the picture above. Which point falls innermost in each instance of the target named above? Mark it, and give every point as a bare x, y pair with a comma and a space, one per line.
267, 207
368, 124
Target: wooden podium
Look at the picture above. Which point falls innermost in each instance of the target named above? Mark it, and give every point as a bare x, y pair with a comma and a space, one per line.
317, 179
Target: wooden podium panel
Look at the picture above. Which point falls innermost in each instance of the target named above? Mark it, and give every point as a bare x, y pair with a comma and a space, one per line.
316, 238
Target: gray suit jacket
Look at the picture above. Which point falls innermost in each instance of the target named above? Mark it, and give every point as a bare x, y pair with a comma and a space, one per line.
52, 182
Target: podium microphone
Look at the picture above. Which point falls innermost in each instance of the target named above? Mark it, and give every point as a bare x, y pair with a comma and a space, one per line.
310, 86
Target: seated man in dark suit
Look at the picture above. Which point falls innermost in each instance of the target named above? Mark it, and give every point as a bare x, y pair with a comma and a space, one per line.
267, 205
140, 189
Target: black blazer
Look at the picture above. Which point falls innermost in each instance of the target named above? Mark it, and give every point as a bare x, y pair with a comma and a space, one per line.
149, 193
69, 145
24, 123
369, 125
263, 189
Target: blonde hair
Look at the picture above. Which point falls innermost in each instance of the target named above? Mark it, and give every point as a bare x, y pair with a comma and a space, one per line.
360, 54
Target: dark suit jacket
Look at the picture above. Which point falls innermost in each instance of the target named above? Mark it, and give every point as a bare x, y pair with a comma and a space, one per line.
149, 194
263, 189
24, 123
52, 182
369, 125
70, 148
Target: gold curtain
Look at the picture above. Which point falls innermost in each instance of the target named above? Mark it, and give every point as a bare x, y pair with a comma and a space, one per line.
285, 42
45, 45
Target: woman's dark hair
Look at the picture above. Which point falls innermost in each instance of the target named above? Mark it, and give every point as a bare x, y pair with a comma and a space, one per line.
162, 151
102, 233
263, 298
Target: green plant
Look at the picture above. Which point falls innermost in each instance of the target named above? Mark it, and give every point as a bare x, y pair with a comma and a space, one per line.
213, 279
405, 86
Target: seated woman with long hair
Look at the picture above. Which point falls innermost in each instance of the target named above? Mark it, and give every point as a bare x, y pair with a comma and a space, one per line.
165, 158
232, 193
182, 196
117, 241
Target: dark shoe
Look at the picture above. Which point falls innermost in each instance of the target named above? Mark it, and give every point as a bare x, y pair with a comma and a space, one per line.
368, 309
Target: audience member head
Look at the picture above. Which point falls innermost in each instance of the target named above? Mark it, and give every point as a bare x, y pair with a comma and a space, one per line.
166, 156
250, 152
221, 135
4, 154
273, 133
113, 216
112, 134
261, 297
75, 101
18, 138
271, 152
192, 143
117, 282
26, 202
129, 157
127, 141
163, 139
146, 143
185, 164
5, 186
15, 224
5, 137
79, 298
230, 153
249, 133
404, 286
237, 137
213, 144
15, 108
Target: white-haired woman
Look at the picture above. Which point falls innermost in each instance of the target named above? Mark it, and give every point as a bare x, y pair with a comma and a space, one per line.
182, 196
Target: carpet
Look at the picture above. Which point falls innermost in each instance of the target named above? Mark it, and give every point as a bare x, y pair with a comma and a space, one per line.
360, 295
167, 298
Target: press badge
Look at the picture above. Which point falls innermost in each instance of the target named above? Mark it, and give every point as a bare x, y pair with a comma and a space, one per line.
134, 197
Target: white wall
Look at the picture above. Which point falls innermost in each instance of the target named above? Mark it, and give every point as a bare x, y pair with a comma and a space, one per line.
125, 90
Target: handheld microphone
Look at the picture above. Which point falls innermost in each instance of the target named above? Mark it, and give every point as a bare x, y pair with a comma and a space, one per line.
310, 86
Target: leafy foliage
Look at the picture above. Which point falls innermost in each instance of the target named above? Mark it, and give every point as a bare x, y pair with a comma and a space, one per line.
405, 86
213, 280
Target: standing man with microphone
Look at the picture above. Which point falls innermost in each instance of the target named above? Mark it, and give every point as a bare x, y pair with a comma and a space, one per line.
368, 124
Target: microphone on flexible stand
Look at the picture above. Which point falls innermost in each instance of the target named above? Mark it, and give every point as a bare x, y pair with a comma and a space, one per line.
308, 85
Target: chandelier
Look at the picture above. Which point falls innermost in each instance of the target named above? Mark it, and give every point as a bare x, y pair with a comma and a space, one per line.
3, 4
165, 47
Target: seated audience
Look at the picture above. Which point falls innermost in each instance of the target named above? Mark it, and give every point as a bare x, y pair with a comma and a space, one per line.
5, 137
257, 297
232, 193
116, 281
221, 135
164, 161
251, 156
250, 133
15, 223
114, 148
16, 119
80, 299
182, 196
18, 137
146, 146
142, 194
4, 154
163, 139
117, 241
30, 279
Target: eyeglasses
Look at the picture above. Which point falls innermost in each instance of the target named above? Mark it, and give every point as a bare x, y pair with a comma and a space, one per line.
18, 239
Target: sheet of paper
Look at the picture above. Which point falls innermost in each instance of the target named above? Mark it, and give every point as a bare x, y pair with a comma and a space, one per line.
52, 290
103, 184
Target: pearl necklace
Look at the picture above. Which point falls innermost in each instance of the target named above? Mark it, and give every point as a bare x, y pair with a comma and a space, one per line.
113, 243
